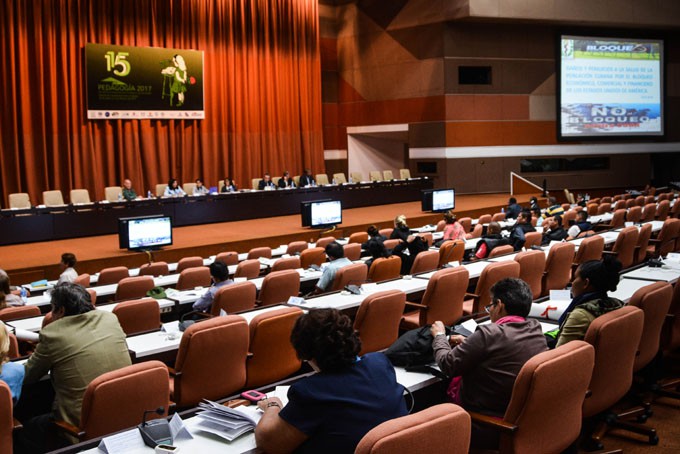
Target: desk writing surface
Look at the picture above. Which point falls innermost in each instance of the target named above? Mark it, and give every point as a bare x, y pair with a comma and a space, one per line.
250, 315
32, 324
653, 274
153, 343
626, 288
475, 268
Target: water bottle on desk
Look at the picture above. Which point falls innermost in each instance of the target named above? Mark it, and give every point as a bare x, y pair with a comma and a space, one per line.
120, 197
24, 295
148, 194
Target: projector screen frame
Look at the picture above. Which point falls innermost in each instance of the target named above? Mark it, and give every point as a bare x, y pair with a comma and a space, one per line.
610, 34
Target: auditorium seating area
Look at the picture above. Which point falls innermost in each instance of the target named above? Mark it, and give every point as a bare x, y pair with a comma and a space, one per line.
389, 305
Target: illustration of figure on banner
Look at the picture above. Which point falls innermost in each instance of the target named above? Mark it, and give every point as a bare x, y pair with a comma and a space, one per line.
175, 80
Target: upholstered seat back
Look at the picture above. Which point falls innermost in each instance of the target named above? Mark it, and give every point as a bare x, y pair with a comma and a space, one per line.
531, 267
590, 249
189, 262
444, 296
289, 263
312, 256
441, 428
625, 246
112, 275
425, 261
133, 287
558, 267
377, 320
616, 337
655, 302
552, 380
257, 252
191, 278
383, 269
274, 357
211, 360
249, 269
279, 286
351, 274
117, 400
154, 269
234, 298
138, 316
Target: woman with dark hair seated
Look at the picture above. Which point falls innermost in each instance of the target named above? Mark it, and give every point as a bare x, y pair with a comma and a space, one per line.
333, 409
589, 289
491, 240
376, 249
373, 234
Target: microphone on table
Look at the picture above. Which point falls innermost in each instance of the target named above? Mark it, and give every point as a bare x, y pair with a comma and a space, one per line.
157, 431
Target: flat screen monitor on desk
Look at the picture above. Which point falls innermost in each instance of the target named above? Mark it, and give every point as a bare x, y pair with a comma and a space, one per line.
438, 200
147, 232
321, 213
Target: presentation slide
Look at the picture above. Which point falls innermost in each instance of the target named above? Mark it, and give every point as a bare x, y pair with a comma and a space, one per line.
610, 87
149, 232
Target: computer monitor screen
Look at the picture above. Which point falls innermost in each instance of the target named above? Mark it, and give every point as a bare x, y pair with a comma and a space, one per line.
326, 213
149, 233
443, 200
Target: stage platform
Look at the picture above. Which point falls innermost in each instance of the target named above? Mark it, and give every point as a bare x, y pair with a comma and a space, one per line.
35, 261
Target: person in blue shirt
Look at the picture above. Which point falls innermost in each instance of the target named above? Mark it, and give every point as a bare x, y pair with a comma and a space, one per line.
331, 411
513, 210
219, 272
10, 373
173, 189
336, 255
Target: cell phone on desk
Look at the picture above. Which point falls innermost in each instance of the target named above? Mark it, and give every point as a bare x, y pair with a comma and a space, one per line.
253, 396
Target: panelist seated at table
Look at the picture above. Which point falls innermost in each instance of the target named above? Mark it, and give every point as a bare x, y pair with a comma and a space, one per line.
173, 189
306, 179
484, 365
79, 345
332, 410
592, 281
129, 194
286, 181
229, 185
336, 255
219, 273
266, 183
200, 188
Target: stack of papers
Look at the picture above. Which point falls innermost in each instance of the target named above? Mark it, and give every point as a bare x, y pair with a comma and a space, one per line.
225, 422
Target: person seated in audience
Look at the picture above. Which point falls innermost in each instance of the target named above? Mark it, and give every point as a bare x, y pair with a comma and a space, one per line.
553, 209
536, 214
129, 193
484, 365
11, 373
408, 250
373, 234
229, 185
306, 179
286, 181
521, 227
67, 264
376, 249
453, 230
333, 409
490, 241
533, 204
219, 273
513, 209
200, 188
79, 345
337, 260
401, 230
589, 289
581, 226
173, 189
266, 183
10, 296
553, 230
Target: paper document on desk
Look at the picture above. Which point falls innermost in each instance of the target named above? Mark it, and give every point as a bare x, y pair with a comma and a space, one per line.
123, 442
178, 430
550, 310
466, 328
225, 422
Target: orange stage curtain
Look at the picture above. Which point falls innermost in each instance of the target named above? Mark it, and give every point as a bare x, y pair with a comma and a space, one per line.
262, 88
